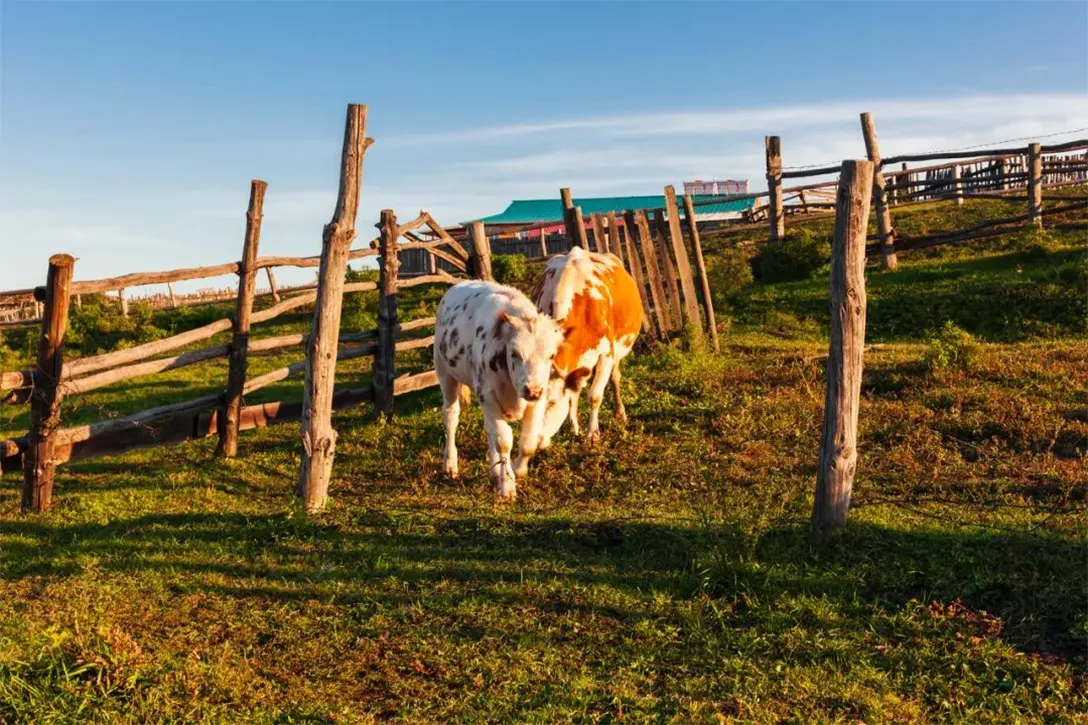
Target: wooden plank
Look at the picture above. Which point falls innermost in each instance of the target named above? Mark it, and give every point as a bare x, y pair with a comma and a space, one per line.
142, 278
445, 236
773, 150
653, 273
634, 266
704, 282
668, 270
40, 465
839, 444
615, 244
880, 193
600, 242
683, 264
86, 384
318, 435
243, 309
385, 364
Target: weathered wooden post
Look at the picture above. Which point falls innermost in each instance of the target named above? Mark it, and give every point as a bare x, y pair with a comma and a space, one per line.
1035, 184
543, 242
653, 273
318, 435
480, 254
173, 297
839, 443
124, 302
272, 285
39, 465
957, 184
880, 195
572, 220
79, 301
773, 147
704, 282
635, 267
385, 367
683, 264
614, 244
600, 243
229, 420
668, 269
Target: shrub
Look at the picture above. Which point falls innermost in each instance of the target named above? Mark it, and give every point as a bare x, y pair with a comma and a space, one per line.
797, 256
952, 347
729, 274
509, 268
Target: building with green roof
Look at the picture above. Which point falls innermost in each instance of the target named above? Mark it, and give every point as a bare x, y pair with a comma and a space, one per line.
526, 212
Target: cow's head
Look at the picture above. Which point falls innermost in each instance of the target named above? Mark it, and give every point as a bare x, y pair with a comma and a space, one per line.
531, 344
561, 391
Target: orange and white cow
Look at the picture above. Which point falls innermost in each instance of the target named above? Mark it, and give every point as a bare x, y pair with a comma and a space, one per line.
597, 305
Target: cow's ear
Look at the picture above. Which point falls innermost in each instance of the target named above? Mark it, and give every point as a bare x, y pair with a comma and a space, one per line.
576, 378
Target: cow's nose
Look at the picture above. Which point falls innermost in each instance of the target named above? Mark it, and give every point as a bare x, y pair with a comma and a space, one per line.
532, 394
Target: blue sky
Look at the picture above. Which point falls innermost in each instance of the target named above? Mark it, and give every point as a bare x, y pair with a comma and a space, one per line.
129, 131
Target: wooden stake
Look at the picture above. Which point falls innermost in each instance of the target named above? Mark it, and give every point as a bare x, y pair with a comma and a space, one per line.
230, 415
600, 243
668, 270
543, 243
124, 302
653, 273
614, 244
839, 446
318, 435
704, 282
480, 254
39, 465
272, 285
635, 267
170, 290
957, 186
773, 147
683, 264
880, 194
385, 363
578, 228
1035, 184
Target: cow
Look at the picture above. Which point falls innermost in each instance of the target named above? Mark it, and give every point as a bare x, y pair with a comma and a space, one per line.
597, 304
491, 339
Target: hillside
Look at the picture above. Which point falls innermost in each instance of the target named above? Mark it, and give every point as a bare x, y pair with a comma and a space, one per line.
666, 576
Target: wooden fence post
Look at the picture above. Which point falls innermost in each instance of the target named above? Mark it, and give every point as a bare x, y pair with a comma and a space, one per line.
318, 435
773, 147
272, 285
229, 420
653, 273
957, 183
614, 244
124, 302
635, 267
693, 230
480, 254
668, 270
173, 297
838, 445
39, 465
1035, 184
79, 301
600, 243
683, 264
880, 194
543, 243
578, 228
385, 363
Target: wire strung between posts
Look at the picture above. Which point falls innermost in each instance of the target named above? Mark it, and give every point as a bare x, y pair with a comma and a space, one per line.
964, 148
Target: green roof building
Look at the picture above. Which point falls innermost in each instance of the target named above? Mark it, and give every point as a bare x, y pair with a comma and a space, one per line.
523, 212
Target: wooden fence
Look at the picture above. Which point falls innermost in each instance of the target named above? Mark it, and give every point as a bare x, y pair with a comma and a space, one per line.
53, 380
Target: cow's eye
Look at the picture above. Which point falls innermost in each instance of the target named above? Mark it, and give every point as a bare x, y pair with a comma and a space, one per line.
516, 355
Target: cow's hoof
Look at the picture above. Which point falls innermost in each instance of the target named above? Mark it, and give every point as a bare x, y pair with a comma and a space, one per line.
593, 437
521, 468
451, 470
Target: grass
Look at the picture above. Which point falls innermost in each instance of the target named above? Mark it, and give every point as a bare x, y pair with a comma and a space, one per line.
664, 576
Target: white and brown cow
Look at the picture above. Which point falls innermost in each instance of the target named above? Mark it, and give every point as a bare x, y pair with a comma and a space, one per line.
597, 304
492, 338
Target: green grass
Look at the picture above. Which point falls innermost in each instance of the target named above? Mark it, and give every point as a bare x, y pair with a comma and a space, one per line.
666, 575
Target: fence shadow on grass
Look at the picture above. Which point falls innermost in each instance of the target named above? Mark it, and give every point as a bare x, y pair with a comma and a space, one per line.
1027, 580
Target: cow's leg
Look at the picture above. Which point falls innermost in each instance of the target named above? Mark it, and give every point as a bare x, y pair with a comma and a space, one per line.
531, 436
452, 391
617, 400
500, 444
596, 395
572, 413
